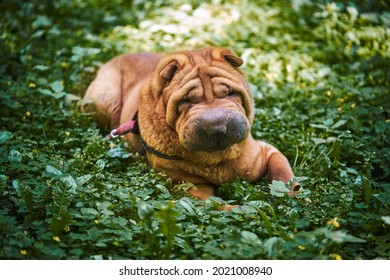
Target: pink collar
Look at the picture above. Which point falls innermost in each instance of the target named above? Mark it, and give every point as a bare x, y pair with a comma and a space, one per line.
122, 129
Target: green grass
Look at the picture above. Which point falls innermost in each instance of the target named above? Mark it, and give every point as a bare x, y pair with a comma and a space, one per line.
319, 72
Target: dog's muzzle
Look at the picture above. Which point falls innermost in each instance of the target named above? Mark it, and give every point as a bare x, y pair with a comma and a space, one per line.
214, 130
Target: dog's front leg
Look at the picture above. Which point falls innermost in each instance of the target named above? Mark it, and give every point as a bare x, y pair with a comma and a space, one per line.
205, 191
279, 169
202, 191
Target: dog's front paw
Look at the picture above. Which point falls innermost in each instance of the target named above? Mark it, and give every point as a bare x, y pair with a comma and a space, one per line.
229, 207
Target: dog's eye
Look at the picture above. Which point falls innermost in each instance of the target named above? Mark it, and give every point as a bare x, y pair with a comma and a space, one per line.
233, 94
185, 101
184, 105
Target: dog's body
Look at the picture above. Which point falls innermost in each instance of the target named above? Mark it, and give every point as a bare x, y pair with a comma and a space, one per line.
195, 108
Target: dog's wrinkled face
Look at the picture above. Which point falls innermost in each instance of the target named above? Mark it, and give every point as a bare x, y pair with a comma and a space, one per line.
207, 99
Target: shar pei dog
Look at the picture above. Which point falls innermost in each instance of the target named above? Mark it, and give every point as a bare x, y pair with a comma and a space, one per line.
190, 114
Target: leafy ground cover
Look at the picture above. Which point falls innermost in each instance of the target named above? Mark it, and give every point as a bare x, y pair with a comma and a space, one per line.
319, 71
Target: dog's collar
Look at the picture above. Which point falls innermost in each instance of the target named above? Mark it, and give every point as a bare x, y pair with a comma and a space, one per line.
126, 127
147, 148
132, 126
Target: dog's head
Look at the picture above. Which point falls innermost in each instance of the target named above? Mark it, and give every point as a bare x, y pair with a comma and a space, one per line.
206, 98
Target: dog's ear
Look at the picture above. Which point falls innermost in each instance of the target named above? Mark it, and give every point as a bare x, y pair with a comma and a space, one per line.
169, 71
232, 59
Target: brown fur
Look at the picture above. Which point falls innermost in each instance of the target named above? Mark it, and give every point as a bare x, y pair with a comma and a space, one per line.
156, 86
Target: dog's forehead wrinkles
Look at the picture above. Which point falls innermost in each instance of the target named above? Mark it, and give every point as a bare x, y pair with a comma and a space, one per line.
196, 77
191, 75
202, 62
207, 86
201, 56
204, 66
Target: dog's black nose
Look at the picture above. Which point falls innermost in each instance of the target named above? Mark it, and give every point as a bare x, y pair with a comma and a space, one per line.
216, 132
219, 129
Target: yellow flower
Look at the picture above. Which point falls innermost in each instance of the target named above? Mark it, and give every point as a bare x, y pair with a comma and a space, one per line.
31, 85
329, 93
28, 114
56, 238
23, 252
67, 133
335, 257
112, 145
301, 247
334, 223
67, 229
